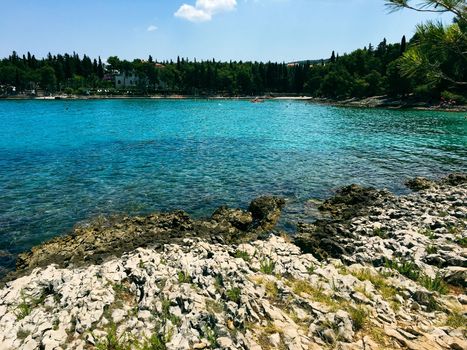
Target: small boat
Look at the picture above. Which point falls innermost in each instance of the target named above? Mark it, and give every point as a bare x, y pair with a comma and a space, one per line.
257, 100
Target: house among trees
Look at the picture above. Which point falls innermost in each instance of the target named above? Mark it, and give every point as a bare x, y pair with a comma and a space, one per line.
130, 79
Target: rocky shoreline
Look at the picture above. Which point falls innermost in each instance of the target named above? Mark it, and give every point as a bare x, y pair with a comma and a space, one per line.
385, 102
378, 271
103, 238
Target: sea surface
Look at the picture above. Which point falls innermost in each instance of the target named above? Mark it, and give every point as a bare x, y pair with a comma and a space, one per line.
62, 162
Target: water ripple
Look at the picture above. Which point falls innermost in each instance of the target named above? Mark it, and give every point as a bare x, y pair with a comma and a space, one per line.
67, 161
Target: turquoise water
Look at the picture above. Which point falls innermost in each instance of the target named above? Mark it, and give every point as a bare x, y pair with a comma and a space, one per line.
66, 161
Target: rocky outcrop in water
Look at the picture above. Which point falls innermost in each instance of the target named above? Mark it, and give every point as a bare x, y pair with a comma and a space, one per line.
379, 272
102, 238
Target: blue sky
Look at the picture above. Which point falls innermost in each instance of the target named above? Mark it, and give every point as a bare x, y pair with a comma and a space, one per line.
276, 30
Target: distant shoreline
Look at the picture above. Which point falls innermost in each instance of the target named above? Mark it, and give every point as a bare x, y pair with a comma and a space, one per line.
369, 102
156, 97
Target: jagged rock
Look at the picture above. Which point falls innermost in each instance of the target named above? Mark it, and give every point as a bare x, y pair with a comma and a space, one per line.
455, 179
329, 336
266, 211
275, 340
118, 315
30, 344
426, 299
419, 184
236, 217
325, 237
52, 339
456, 276
422, 227
350, 199
105, 237
462, 299
391, 332
318, 242
225, 343
344, 325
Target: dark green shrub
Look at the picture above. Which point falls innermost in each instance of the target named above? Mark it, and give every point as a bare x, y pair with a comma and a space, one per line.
234, 294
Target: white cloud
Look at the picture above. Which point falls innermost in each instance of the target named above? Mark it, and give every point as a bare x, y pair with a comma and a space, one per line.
205, 9
216, 6
152, 28
192, 14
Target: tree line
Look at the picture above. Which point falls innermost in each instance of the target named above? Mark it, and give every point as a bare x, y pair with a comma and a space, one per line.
431, 65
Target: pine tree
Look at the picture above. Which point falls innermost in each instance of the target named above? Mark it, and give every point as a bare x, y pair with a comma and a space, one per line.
333, 57
381, 49
100, 69
94, 66
403, 45
436, 59
14, 57
456, 7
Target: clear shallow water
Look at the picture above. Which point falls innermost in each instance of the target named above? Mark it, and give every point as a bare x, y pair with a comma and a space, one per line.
67, 161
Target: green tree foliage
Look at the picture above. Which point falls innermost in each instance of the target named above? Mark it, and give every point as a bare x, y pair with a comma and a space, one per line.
361, 73
431, 65
457, 7
48, 79
53, 73
436, 58
403, 44
438, 55
337, 83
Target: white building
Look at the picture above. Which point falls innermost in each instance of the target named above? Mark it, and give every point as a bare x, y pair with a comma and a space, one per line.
126, 80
